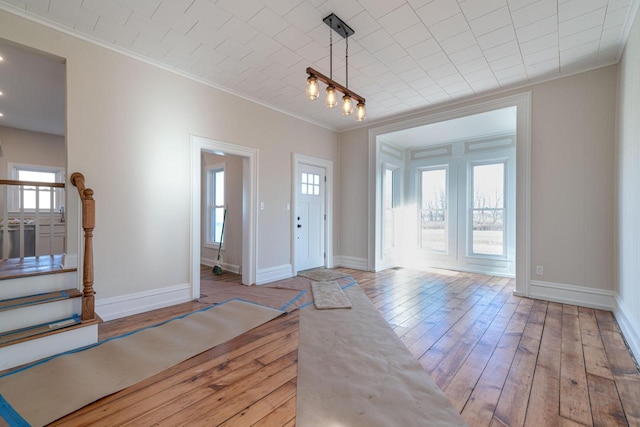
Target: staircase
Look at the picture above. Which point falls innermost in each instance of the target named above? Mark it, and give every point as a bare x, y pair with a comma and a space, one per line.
42, 311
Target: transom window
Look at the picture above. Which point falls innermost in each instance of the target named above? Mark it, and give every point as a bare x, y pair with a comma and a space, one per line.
215, 204
310, 184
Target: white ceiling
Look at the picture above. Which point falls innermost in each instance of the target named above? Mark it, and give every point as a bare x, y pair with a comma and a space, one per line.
33, 90
490, 123
405, 54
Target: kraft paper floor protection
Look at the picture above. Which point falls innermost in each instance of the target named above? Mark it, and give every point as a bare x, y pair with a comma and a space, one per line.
354, 371
48, 391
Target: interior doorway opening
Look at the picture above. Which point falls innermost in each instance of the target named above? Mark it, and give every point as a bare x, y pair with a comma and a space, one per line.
447, 194
233, 169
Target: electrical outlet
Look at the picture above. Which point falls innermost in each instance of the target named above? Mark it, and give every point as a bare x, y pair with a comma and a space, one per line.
539, 270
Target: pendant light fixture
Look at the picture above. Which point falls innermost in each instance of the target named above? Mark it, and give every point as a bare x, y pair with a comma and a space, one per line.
336, 24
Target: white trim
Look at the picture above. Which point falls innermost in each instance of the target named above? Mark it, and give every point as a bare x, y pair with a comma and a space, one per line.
69, 261
630, 329
39, 348
523, 175
141, 302
271, 274
225, 266
327, 165
572, 294
351, 262
250, 197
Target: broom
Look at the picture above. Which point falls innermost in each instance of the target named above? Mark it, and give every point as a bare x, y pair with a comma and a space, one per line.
217, 269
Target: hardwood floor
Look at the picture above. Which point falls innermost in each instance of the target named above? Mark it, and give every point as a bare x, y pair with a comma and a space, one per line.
501, 360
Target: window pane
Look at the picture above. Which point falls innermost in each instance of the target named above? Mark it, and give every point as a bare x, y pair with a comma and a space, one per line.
304, 188
488, 209
433, 212
24, 175
219, 188
316, 179
304, 178
219, 216
488, 186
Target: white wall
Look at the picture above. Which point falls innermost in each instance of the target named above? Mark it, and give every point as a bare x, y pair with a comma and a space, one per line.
572, 181
628, 190
35, 148
128, 128
231, 252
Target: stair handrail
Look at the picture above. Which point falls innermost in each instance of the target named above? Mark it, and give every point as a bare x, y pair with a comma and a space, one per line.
88, 224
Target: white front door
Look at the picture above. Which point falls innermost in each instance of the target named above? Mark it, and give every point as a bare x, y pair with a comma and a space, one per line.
309, 217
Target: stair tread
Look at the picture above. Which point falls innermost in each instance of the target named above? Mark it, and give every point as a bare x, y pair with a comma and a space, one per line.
24, 333
43, 298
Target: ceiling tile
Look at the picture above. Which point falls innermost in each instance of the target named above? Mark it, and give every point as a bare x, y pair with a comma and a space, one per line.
379, 8
376, 41
390, 53
412, 35
501, 51
537, 29
244, 10
534, 12
438, 11
143, 7
583, 37
473, 66
519, 4
581, 23
363, 24
208, 13
541, 43
449, 27
345, 9
491, 21
424, 49
506, 62
172, 15
473, 9
541, 56
268, 22
292, 38
497, 37
459, 42
116, 12
467, 55
399, 19
282, 7
616, 17
574, 8
306, 17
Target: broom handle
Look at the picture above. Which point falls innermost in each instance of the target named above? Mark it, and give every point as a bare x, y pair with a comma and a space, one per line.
224, 220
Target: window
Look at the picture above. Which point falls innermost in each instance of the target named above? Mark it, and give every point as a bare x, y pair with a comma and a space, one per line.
47, 198
215, 204
488, 211
389, 205
433, 210
310, 184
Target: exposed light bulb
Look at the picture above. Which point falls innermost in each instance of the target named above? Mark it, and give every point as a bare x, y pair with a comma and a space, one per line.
312, 88
360, 111
332, 100
347, 105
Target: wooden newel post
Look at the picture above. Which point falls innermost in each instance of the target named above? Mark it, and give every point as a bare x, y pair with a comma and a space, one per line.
88, 224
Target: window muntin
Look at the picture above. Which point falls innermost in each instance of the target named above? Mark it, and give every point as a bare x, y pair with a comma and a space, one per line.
433, 210
48, 198
488, 209
310, 184
215, 204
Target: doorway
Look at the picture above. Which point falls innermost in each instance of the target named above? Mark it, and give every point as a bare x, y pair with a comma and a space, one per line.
248, 159
446, 219
312, 195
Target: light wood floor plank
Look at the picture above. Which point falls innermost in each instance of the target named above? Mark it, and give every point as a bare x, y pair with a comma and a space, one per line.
500, 358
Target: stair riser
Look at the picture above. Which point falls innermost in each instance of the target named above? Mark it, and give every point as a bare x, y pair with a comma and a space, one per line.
37, 314
30, 351
23, 286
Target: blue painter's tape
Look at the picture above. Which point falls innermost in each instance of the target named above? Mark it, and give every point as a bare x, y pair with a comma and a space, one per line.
10, 416
294, 299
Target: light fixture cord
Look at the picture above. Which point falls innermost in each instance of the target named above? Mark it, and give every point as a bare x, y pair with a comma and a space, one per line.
330, 51
346, 56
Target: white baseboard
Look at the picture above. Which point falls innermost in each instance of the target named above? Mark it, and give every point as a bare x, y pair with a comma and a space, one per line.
140, 302
630, 328
571, 294
351, 262
271, 274
225, 266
